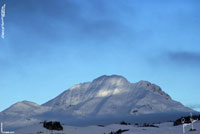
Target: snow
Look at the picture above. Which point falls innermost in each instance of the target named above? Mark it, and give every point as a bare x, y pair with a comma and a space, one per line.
106, 92
164, 128
115, 93
106, 97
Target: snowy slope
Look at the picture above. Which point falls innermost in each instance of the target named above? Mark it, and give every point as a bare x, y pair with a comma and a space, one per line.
23, 108
115, 95
20, 114
163, 128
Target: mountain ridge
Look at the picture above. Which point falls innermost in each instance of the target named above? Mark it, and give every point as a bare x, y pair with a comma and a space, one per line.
105, 88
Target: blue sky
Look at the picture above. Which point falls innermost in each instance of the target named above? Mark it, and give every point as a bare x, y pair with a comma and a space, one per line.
51, 45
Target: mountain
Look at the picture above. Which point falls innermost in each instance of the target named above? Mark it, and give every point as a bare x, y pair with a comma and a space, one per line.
20, 114
112, 98
108, 95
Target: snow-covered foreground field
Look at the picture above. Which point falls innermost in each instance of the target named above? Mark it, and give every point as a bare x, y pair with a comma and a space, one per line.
164, 128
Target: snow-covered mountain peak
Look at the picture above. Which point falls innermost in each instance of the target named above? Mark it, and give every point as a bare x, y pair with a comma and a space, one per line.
100, 87
152, 87
112, 83
113, 79
106, 82
105, 96
115, 95
25, 102
24, 108
21, 107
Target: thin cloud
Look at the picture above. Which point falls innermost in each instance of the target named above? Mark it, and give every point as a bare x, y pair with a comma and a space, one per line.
35, 27
184, 58
178, 58
49, 19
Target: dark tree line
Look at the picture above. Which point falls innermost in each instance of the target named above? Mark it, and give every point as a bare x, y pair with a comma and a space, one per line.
52, 125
